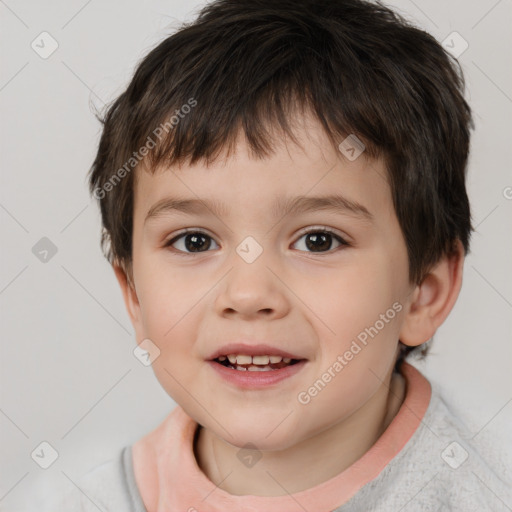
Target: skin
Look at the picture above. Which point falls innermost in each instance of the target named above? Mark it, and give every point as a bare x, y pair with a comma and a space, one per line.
308, 303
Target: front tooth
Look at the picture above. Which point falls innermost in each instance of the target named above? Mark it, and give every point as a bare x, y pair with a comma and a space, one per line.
259, 368
243, 359
260, 359
232, 358
275, 359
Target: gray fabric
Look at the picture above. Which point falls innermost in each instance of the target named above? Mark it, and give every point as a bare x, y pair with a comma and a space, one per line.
417, 480
109, 487
129, 481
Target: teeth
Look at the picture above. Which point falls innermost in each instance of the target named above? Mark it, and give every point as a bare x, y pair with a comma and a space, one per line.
259, 368
260, 359
244, 359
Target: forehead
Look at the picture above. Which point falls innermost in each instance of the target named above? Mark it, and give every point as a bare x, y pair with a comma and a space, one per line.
293, 178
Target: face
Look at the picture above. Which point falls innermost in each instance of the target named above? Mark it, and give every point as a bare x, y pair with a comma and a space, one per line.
327, 286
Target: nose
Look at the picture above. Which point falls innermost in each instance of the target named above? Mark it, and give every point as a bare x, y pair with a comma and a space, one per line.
253, 289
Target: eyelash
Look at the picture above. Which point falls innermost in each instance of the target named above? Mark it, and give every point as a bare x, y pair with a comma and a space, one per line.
320, 229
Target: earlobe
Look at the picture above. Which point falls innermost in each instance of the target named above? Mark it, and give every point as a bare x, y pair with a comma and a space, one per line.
433, 299
131, 300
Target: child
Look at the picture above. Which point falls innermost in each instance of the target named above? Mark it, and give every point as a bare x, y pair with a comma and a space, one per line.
282, 190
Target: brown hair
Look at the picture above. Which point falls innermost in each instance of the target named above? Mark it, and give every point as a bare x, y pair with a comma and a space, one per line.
249, 65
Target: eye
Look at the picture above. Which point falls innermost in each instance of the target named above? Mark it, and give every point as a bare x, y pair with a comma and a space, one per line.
320, 239
193, 241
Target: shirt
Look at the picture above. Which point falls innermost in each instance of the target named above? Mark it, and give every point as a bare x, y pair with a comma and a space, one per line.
424, 461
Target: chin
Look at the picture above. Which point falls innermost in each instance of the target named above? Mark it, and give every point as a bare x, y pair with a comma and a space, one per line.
268, 434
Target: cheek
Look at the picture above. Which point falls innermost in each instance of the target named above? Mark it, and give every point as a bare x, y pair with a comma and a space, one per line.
357, 294
361, 305
169, 315
164, 291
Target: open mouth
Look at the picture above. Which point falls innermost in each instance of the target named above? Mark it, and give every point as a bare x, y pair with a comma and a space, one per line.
255, 363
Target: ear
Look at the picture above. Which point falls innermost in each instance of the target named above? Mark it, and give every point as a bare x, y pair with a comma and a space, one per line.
433, 299
131, 300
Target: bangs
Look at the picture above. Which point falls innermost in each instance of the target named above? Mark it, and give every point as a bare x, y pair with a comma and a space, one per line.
200, 105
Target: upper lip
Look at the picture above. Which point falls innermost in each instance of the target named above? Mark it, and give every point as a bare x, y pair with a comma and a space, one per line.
251, 350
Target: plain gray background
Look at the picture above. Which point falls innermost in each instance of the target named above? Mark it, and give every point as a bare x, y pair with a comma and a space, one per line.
68, 373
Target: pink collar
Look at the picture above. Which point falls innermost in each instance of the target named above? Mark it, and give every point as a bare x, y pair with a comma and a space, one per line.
164, 463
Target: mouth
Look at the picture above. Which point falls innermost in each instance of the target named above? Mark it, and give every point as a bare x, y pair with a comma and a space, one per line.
255, 363
251, 366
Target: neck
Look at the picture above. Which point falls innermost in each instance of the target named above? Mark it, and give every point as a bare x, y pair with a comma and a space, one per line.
274, 473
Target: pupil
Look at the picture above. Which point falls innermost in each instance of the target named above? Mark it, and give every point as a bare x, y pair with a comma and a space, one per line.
318, 241
314, 241
196, 242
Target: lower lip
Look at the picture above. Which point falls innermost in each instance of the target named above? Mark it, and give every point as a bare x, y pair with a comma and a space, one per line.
248, 380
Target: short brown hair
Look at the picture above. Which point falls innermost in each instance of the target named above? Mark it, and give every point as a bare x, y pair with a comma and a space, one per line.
358, 66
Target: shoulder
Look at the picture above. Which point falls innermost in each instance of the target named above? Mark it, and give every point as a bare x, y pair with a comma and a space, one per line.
468, 473
443, 467
104, 487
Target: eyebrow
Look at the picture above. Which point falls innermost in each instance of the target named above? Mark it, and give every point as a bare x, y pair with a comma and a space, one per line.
281, 207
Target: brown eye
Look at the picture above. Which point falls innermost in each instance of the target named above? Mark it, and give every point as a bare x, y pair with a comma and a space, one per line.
321, 240
191, 242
